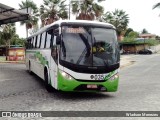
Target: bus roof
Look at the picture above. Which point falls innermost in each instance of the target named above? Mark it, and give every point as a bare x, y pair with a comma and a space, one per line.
81, 21
71, 21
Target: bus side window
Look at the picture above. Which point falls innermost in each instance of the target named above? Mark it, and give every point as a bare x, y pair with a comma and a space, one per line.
48, 39
32, 42
29, 44
38, 40
54, 54
55, 33
43, 40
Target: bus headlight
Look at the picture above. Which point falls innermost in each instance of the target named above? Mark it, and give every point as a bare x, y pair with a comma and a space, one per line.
115, 76
66, 75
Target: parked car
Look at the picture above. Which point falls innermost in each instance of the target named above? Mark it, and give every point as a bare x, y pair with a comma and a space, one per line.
145, 51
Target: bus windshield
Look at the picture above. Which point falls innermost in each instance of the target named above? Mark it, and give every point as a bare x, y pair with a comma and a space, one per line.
90, 46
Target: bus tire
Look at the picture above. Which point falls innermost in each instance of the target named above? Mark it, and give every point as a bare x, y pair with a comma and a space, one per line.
29, 70
48, 87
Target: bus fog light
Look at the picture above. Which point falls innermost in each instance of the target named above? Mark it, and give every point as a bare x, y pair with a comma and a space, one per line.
114, 77
103, 88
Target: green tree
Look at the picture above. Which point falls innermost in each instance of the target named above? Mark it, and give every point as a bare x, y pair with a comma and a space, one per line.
133, 34
144, 31
17, 41
8, 31
53, 10
128, 31
118, 18
1, 39
87, 9
33, 17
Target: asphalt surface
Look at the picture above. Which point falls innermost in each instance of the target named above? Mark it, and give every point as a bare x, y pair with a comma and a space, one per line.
139, 89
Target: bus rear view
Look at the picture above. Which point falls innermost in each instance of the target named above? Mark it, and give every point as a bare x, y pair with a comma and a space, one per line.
88, 57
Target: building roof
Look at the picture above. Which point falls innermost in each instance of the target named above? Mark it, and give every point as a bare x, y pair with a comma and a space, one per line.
147, 35
11, 15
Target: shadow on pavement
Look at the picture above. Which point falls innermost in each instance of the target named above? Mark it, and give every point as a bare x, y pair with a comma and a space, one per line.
72, 95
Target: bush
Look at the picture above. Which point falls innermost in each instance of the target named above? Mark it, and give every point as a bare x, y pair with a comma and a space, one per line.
150, 42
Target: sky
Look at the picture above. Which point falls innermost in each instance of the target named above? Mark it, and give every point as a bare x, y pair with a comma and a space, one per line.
140, 12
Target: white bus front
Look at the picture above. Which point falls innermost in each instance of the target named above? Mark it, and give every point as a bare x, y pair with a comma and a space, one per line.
88, 58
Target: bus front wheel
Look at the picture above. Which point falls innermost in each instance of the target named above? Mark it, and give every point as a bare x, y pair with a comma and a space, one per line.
47, 85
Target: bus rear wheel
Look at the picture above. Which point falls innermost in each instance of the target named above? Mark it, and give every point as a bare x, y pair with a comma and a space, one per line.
46, 80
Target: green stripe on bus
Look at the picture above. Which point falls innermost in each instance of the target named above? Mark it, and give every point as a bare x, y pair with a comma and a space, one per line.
70, 84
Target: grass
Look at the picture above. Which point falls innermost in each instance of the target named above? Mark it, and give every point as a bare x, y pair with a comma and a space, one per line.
2, 58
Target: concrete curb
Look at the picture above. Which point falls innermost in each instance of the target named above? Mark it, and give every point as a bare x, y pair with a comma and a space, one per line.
126, 60
127, 64
15, 62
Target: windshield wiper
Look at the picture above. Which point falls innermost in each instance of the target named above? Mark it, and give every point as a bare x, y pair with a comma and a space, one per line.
105, 62
81, 56
87, 49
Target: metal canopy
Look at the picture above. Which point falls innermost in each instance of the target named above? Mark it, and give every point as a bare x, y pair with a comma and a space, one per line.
11, 15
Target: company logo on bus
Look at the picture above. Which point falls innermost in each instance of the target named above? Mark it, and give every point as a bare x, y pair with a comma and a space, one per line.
92, 76
97, 77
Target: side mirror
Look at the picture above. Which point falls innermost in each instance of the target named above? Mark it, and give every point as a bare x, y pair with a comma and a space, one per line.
58, 39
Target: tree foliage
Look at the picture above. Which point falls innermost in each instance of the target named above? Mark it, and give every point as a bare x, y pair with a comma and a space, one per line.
144, 31
87, 9
118, 18
157, 5
128, 31
7, 33
33, 17
133, 34
9, 37
53, 10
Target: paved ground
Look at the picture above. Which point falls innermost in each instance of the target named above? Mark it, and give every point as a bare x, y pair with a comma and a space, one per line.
139, 89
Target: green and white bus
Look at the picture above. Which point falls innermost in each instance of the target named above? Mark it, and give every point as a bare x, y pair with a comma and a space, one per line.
75, 55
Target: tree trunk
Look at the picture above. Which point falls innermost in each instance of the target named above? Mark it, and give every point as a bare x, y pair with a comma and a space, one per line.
9, 42
26, 31
6, 51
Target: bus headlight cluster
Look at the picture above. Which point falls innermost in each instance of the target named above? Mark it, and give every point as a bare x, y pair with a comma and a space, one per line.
66, 75
115, 76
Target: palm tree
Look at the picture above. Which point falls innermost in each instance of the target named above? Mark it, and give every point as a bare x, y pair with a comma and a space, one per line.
119, 19
87, 9
33, 17
53, 10
156, 5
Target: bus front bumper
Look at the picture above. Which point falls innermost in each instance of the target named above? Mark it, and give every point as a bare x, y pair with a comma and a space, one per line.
70, 84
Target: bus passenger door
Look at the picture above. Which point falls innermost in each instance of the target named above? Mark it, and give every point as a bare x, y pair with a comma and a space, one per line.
54, 62
54, 57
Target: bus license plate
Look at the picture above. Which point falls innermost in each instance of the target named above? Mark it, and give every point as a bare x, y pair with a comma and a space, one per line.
92, 86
